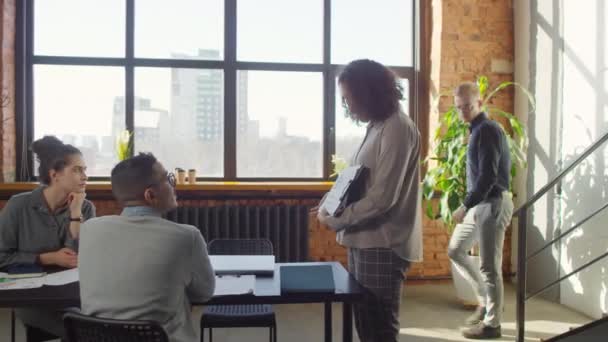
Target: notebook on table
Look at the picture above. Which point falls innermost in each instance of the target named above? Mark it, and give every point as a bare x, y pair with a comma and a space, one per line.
18, 271
307, 279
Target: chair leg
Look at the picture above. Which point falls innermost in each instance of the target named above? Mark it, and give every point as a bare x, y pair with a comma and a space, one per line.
210, 334
12, 325
202, 334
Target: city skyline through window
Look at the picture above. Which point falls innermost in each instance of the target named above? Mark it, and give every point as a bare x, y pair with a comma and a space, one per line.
179, 113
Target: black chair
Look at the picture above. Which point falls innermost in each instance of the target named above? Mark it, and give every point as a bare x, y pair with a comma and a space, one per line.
82, 328
239, 316
33, 334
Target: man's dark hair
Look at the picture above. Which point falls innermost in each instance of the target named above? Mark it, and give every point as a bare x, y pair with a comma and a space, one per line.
374, 88
132, 176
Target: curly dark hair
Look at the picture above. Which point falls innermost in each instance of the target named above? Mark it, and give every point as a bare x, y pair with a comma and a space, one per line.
52, 154
374, 87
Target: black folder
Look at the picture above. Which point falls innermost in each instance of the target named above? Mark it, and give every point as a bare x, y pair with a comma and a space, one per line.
307, 279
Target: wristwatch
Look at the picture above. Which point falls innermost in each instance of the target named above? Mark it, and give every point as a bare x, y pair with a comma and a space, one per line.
76, 219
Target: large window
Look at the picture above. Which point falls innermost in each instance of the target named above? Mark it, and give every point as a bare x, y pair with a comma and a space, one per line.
236, 89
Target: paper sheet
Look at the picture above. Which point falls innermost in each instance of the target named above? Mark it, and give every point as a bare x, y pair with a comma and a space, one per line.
234, 285
21, 284
62, 278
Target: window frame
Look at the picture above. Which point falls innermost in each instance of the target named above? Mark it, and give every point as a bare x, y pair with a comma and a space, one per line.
230, 65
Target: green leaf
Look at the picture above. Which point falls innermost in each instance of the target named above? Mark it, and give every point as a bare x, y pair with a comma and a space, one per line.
482, 83
448, 177
430, 213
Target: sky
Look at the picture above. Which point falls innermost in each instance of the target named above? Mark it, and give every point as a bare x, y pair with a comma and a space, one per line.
79, 99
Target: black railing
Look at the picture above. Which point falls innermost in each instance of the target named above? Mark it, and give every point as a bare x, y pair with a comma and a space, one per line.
523, 258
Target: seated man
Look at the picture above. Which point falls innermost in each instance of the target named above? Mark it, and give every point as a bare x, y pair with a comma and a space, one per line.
139, 266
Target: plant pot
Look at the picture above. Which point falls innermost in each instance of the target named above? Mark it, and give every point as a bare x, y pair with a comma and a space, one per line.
464, 290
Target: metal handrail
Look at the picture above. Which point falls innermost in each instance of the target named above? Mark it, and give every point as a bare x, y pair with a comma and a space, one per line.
562, 174
522, 259
570, 230
545, 288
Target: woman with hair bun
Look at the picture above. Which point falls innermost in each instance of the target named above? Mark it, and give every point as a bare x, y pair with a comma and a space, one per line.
42, 226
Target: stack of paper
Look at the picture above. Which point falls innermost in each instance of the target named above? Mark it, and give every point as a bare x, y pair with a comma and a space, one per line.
62, 278
19, 284
234, 285
53, 279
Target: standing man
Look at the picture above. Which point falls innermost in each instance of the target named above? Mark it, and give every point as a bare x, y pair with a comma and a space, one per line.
485, 213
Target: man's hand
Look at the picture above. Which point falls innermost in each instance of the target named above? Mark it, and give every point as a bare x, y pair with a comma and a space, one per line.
64, 257
459, 214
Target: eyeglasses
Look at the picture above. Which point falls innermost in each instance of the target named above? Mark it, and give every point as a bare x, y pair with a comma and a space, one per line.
170, 179
467, 107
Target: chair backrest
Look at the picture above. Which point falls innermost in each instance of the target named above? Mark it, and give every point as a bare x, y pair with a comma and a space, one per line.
82, 328
240, 246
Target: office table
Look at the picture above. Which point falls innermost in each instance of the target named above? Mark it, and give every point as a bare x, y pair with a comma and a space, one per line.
267, 291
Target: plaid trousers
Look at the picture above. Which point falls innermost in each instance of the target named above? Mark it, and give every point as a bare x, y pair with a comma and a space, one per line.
382, 272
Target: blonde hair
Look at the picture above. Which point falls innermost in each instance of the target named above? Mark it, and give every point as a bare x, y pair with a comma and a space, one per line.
467, 89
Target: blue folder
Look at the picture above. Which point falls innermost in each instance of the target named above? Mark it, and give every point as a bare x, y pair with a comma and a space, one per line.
307, 279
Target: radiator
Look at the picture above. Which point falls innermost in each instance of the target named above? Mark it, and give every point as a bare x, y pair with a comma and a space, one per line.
286, 226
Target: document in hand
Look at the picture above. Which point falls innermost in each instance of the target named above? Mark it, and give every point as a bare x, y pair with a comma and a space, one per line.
338, 197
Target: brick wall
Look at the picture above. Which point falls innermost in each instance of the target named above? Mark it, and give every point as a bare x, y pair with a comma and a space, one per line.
469, 38
7, 82
476, 39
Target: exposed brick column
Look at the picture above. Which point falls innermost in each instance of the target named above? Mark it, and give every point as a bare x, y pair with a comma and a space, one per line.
477, 39
7, 82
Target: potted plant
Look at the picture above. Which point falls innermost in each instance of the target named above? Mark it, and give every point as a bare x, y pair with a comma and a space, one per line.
446, 174
124, 144
339, 164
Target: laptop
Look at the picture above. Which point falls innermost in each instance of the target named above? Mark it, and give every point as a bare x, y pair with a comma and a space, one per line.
262, 265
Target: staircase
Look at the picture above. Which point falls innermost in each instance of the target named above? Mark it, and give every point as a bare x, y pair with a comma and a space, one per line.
596, 330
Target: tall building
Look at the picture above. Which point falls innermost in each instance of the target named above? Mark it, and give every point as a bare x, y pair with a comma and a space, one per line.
148, 122
197, 101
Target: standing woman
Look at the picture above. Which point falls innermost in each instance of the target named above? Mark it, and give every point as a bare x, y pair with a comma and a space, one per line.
382, 230
42, 226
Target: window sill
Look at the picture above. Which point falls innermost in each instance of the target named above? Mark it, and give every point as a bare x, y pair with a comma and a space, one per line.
103, 190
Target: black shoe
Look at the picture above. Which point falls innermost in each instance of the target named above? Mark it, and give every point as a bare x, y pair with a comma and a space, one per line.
477, 316
482, 332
